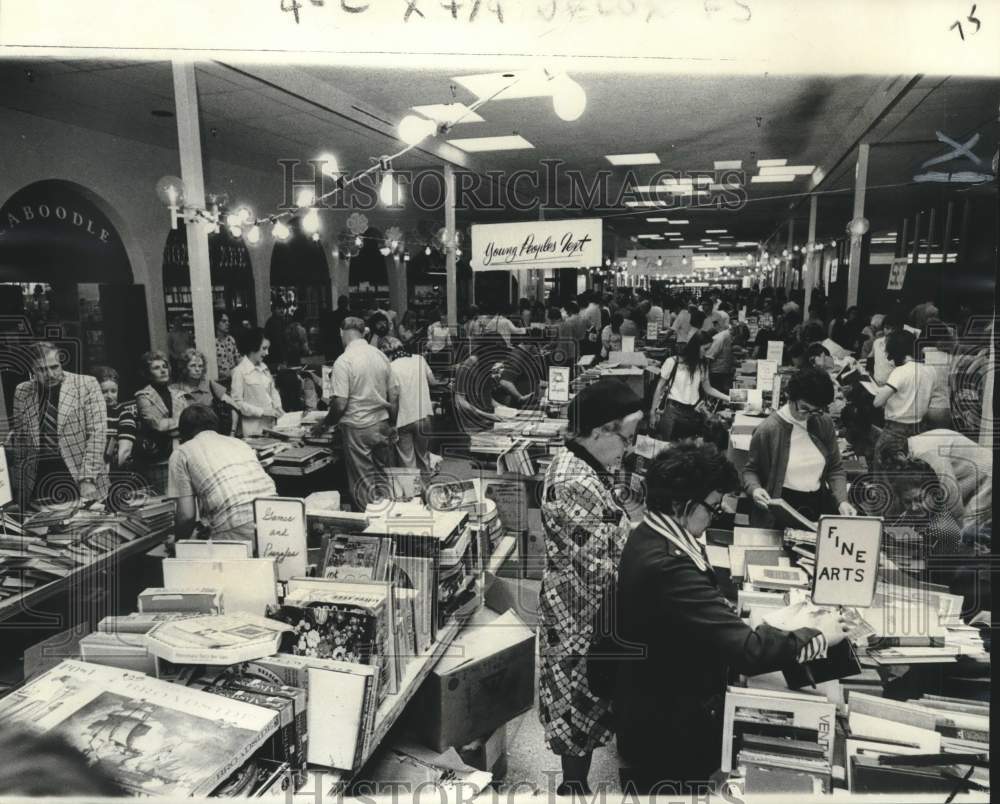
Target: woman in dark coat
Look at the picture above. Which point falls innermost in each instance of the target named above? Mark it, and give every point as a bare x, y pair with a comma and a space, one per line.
668, 705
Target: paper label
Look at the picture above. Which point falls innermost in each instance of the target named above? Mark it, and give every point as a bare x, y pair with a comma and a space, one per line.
559, 383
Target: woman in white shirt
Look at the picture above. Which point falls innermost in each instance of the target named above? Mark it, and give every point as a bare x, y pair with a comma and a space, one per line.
438, 332
683, 380
254, 393
906, 395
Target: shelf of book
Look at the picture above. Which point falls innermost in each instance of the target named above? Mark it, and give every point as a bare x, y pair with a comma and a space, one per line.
81, 578
418, 668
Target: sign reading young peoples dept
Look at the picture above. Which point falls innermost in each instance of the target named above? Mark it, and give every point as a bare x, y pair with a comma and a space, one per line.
537, 245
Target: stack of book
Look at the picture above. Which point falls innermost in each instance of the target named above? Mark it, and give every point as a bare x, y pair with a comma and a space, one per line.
779, 741
931, 726
266, 448
300, 460
155, 511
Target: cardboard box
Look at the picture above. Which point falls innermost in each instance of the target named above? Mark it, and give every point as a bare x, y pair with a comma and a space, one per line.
195, 600
485, 679
488, 753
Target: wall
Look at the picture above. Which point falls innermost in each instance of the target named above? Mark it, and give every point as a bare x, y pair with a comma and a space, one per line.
123, 174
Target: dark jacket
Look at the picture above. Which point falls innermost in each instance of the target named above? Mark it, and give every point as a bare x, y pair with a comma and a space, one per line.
768, 456
668, 706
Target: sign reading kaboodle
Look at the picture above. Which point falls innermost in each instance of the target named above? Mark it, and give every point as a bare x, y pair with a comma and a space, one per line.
537, 244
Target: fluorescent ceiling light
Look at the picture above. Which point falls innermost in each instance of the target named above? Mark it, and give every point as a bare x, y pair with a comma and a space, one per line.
649, 203
676, 239
508, 86
716, 231
448, 113
670, 234
672, 222
670, 181
708, 248
762, 163
742, 243
650, 236
797, 170
733, 164
771, 179
633, 159
676, 189
477, 144
657, 220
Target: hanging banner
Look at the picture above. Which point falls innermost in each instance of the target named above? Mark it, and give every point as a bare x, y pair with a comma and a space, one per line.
537, 244
897, 273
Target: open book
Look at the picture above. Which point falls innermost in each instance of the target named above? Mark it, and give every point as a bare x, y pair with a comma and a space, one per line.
788, 516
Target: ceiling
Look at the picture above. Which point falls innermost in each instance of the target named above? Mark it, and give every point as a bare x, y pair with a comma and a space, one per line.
252, 115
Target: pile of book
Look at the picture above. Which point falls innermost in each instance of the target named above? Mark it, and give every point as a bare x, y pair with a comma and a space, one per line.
515, 460
779, 741
50, 545
266, 448
155, 511
300, 460
886, 737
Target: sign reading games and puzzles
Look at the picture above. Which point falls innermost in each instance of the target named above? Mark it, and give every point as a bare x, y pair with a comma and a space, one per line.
847, 550
537, 244
281, 534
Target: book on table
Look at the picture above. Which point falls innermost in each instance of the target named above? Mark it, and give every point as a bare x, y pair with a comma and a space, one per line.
154, 737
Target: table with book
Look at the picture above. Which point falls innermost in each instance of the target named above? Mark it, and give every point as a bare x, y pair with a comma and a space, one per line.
835, 723
270, 669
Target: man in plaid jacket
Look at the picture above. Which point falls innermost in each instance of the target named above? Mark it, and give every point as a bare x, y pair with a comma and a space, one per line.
58, 433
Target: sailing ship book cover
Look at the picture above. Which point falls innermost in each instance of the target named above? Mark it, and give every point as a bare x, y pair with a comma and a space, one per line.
154, 737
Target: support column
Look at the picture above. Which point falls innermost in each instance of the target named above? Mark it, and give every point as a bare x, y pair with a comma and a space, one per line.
808, 270
789, 259
450, 265
860, 186
189, 147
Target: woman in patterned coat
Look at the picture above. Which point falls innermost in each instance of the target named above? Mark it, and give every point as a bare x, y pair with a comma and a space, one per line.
585, 531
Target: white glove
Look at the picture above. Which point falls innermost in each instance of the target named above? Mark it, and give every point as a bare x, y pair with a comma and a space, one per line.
846, 509
761, 497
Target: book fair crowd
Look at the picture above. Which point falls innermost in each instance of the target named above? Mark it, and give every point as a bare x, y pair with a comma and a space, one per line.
682, 448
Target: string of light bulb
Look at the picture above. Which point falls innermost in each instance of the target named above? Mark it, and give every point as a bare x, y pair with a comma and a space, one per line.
568, 100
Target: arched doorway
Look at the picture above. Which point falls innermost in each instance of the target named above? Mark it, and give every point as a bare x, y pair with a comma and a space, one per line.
65, 275
300, 276
232, 278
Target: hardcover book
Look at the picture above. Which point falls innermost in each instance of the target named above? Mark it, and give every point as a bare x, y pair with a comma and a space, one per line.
356, 557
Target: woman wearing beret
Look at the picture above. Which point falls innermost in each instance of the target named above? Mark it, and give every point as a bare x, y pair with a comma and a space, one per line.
794, 453
686, 637
585, 530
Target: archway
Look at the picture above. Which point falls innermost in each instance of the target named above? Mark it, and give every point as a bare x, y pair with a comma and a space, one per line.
64, 270
300, 275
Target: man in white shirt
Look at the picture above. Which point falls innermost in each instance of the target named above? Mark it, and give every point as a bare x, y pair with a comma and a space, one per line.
364, 405
415, 408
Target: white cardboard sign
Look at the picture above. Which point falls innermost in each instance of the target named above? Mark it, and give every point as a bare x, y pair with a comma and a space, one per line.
847, 552
766, 372
558, 383
574, 243
776, 351
281, 534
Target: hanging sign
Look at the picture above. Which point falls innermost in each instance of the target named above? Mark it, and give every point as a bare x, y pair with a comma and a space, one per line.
558, 383
281, 534
897, 273
5, 491
833, 270
537, 244
847, 551
652, 330
776, 351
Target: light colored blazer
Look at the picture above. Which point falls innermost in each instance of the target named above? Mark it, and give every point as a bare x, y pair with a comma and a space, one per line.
83, 427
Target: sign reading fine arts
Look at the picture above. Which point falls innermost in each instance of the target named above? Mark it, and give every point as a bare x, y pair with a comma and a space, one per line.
537, 244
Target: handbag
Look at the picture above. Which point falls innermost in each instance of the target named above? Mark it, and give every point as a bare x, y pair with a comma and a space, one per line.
666, 389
